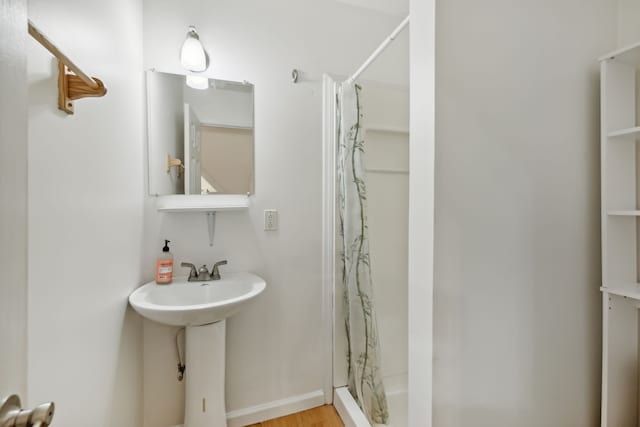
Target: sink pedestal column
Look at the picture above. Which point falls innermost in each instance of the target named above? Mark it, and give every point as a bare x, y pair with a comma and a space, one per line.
204, 387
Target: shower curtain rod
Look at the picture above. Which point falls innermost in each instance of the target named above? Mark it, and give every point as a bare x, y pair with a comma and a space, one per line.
378, 51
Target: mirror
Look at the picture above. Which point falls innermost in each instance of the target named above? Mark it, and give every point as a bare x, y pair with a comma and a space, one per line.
200, 141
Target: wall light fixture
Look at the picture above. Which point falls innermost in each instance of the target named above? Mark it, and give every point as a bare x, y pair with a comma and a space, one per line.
192, 55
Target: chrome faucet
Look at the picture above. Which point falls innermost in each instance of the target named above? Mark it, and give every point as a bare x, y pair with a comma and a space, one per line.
202, 274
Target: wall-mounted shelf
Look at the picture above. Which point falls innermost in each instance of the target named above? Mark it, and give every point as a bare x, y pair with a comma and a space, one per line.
624, 133
204, 203
209, 204
624, 213
629, 55
627, 290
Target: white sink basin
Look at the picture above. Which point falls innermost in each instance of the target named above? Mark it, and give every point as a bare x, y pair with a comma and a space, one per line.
183, 303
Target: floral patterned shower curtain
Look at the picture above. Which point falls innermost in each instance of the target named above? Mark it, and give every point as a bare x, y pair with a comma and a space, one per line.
363, 357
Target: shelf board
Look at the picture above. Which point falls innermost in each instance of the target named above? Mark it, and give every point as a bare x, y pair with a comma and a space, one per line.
628, 55
202, 203
385, 128
629, 290
622, 133
623, 213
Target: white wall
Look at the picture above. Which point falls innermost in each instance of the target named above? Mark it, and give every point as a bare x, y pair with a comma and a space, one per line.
421, 209
629, 33
226, 159
86, 190
388, 201
385, 111
13, 198
275, 347
387, 174
628, 22
165, 131
517, 305
222, 106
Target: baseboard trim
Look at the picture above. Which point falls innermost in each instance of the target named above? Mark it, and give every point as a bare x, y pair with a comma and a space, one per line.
348, 409
275, 409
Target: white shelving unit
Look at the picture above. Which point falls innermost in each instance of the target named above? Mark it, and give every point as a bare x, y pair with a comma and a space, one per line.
620, 237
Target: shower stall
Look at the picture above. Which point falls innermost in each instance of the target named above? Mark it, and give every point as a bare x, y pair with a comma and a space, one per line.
366, 241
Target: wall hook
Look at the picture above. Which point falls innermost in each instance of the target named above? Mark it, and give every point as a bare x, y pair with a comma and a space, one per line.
294, 76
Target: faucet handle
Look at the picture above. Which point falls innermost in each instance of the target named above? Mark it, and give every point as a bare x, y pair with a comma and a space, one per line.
193, 273
215, 273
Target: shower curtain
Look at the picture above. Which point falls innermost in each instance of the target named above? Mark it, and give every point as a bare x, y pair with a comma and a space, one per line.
363, 352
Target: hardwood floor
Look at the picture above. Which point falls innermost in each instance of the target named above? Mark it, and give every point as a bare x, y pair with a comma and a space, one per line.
322, 416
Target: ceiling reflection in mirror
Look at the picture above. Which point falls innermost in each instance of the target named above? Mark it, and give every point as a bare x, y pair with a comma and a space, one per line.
200, 141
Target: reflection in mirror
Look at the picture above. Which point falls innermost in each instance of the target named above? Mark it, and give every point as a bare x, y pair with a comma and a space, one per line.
199, 141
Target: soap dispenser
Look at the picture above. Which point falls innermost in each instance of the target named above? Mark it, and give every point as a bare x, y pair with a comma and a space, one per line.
164, 265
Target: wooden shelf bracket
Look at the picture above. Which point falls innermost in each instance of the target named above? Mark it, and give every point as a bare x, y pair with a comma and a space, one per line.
73, 83
174, 163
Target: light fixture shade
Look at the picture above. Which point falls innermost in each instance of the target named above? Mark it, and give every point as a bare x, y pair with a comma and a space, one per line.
192, 55
198, 82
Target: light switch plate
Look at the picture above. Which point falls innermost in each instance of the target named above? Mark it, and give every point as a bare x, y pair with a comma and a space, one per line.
270, 219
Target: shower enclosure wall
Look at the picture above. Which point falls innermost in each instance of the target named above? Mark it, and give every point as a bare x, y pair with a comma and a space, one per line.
385, 120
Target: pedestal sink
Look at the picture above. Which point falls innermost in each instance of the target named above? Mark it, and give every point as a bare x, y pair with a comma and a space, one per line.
202, 308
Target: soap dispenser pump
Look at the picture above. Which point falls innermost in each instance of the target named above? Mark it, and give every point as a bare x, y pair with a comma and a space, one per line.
164, 265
